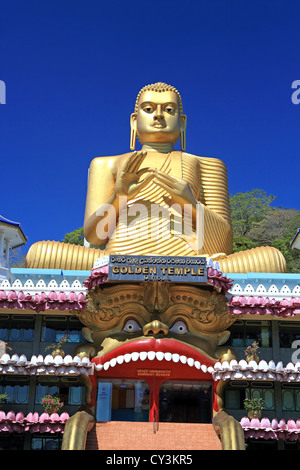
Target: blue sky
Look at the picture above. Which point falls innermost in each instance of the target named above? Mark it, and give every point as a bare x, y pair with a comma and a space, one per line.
72, 71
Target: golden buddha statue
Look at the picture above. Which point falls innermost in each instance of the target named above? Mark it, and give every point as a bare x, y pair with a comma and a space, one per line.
123, 190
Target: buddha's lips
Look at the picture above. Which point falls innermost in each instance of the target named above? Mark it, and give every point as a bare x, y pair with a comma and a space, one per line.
158, 350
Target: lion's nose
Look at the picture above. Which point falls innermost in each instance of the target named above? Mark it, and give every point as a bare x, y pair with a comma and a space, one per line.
155, 328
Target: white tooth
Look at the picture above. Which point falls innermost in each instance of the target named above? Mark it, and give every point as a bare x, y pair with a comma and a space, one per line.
204, 368
190, 361
127, 357
151, 355
120, 359
197, 364
183, 359
106, 366
168, 356
160, 355
99, 366
175, 357
143, 355
135, 356
113, 362
210, 369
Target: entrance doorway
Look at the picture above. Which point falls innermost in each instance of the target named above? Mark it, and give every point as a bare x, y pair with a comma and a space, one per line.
185, 402
123, 400
169, 401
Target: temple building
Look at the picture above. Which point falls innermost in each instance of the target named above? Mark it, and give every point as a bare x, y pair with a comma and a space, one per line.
11, 237
153, 335
39, 306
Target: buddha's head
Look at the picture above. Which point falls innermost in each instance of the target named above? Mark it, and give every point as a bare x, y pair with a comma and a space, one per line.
158, 116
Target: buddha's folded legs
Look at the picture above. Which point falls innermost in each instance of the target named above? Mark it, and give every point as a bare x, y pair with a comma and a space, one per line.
58, 255
263, 259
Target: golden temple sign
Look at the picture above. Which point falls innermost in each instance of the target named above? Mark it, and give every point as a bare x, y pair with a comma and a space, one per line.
158, 268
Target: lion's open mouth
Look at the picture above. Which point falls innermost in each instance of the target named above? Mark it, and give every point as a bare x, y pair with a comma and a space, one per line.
154, 355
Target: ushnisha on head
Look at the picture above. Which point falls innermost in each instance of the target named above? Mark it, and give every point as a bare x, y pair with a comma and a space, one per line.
158, 116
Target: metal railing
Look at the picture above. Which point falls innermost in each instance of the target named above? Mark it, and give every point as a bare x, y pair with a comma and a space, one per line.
155, 421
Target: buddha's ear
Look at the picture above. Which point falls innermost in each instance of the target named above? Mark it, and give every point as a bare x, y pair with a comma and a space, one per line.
132, 131
183, 120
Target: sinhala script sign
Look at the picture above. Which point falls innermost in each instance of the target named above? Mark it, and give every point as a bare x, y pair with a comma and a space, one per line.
157, 268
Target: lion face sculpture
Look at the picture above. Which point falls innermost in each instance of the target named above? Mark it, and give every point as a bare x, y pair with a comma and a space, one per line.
147, 330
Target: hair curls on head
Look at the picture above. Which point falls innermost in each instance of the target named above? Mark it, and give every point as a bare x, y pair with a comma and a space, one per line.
160, 87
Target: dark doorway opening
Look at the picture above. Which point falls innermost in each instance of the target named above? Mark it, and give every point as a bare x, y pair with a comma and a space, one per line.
185, 402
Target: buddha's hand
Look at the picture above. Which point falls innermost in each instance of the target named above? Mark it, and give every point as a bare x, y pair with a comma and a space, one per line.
128, 180
179, 190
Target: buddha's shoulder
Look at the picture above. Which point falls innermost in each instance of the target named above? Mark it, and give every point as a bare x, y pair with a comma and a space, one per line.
111, 161
208, 162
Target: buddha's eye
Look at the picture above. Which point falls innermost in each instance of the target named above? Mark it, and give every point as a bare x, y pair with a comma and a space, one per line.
131, 326
148, 109
179, 328
170, 110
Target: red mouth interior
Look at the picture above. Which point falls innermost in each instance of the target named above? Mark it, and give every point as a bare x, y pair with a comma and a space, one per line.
190, 365
183, 368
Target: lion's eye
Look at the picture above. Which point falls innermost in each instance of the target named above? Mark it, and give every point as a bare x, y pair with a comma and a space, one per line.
179, 328
131, 326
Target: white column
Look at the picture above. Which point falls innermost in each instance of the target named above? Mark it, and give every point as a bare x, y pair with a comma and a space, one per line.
7, 252
1, 243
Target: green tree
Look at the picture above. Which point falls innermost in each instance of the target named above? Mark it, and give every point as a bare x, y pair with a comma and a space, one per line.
74, 238
249, 208
242, 243
278, 223
256, 223
292, 257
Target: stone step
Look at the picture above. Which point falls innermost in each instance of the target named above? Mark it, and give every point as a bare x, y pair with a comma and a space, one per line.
125, 435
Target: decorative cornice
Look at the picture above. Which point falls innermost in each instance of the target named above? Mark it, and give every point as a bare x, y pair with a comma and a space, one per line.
266, 429
98, 276
39, 365
264, 305
243, 370
33, 422
42, 296
41, 286
267, 285
68, 365
247, 294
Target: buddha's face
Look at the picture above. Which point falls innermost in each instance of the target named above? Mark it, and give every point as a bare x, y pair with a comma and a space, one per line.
158, 117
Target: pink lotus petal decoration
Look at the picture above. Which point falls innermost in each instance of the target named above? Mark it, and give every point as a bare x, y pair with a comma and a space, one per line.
262, 306
264, 429
41, 301
97, 276
219, 280
9, 422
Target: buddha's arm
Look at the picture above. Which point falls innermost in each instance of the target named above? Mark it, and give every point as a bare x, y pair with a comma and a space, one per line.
217, 233
214, 195
207, 186
112, 182
100, 201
